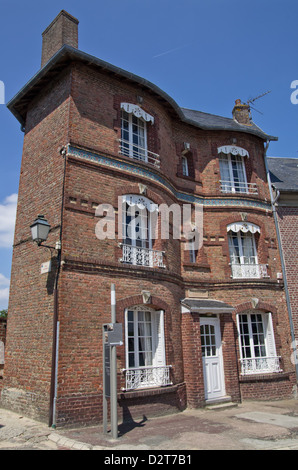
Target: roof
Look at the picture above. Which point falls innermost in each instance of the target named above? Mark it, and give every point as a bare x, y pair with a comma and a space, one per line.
206, 306
214, 122
19, 103
284, 173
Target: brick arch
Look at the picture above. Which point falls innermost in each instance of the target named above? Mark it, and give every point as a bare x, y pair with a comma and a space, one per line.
262, 248
236, 217
265, 306
156, 303
134, 189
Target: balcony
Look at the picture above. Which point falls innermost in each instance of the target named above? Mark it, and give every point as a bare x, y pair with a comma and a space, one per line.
249, 271
138, 153
238, 187
147, 377
260, 365
139, 256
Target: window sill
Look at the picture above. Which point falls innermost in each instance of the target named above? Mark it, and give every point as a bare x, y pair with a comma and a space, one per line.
195, 266
147, 392
263, 377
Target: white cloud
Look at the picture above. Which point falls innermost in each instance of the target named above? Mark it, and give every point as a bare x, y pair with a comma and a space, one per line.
7, 220
4, 291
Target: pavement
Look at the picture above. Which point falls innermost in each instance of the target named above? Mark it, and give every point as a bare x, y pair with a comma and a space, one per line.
255, 425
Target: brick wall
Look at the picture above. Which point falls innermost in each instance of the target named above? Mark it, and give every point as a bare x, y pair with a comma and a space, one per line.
82, 107
288, 225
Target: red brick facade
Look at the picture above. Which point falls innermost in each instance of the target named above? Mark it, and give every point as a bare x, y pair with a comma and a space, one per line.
80, 110
288, 226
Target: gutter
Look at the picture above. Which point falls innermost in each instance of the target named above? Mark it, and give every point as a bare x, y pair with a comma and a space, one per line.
74, 54
273, 205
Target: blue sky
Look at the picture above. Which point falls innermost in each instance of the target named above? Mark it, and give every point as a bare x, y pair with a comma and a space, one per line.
204, 54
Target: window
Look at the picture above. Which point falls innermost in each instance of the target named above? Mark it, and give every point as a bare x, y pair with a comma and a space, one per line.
139, 223
184, 161
233, 175
257, 344
136, 227
192, 252
243, 251
133, 136
133, 142
145, 348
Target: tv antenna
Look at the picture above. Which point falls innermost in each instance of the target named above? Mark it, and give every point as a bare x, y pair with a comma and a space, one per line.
252, 100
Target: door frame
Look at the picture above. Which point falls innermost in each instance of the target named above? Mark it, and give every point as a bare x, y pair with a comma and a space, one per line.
214, 320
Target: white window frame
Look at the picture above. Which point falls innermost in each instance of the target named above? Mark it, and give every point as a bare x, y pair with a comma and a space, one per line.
143, 237
130, 148
252, 363
240, 237
228, 179
157, 335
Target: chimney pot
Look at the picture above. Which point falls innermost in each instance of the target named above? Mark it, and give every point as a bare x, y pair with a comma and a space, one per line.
241, 113
63, 30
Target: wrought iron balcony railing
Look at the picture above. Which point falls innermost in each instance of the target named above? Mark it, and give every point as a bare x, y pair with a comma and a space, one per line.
139, 256
238, 187
260, 365
249, 271
147, 377
136, 152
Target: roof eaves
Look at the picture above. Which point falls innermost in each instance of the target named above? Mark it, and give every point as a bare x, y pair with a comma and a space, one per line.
69, 52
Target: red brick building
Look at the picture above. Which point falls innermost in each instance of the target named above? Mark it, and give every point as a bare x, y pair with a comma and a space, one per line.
200, 325
284, 179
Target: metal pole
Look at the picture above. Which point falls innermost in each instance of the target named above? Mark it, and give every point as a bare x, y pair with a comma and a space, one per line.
104, 398
113, 400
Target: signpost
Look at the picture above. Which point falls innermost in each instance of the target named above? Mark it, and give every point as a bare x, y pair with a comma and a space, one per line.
112, 337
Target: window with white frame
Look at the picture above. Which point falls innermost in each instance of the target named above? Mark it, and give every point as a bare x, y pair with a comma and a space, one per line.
139, 225
257, 344
233, 174
145, 348
133, 142
133, 136
243, 251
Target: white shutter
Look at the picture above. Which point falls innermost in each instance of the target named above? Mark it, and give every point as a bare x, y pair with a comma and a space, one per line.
159, 359
270, 341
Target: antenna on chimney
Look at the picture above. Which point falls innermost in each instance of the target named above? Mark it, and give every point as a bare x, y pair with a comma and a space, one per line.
252, 100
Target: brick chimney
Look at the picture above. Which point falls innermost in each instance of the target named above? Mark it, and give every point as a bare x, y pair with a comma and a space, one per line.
62, 30
241, 113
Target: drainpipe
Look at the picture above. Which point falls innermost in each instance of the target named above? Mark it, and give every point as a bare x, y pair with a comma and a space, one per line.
56, 323
273, 205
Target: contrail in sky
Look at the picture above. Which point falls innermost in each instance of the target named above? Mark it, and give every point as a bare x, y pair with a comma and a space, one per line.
171, 50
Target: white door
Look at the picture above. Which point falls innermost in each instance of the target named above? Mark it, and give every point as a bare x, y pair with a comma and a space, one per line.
212, 358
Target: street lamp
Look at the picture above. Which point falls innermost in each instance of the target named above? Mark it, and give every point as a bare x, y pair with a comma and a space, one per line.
40, 230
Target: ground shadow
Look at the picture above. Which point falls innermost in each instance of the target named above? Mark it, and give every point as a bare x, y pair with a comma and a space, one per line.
129, 423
